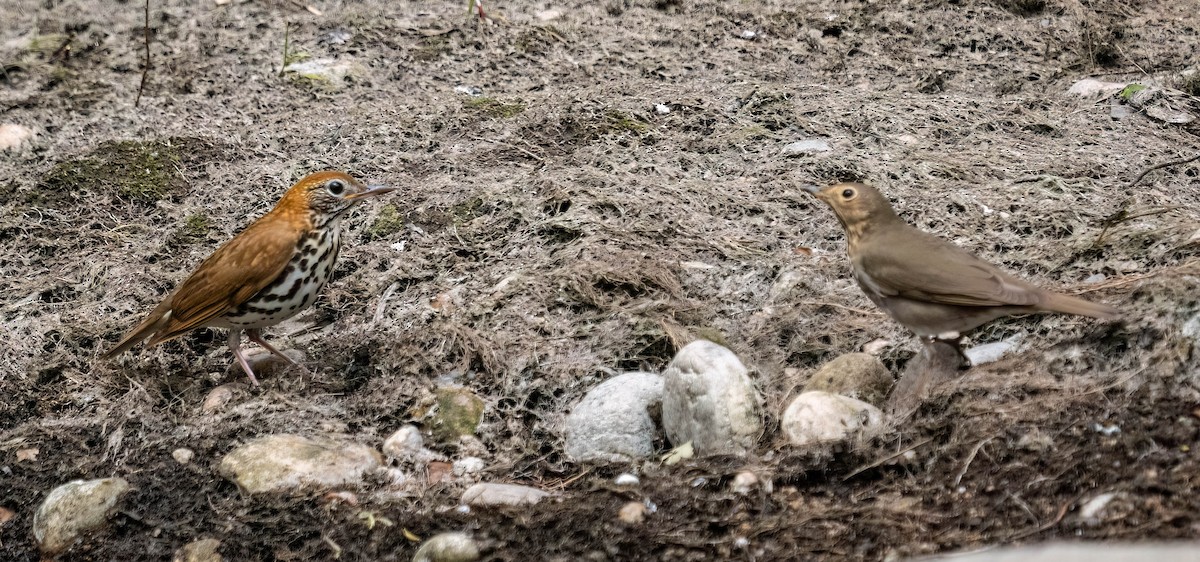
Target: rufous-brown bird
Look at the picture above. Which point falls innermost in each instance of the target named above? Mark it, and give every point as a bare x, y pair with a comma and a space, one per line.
266, 274
930, 286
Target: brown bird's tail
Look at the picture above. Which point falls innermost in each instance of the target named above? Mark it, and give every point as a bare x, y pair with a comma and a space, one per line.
1055, 302
154, 322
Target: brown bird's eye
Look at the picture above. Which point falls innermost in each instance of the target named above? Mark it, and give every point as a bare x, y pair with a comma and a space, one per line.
848, 194
336, 187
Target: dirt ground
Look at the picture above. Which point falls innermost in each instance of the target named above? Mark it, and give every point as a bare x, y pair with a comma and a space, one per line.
616, 187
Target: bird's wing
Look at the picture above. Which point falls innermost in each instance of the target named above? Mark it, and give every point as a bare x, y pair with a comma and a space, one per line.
230, 276
926, 268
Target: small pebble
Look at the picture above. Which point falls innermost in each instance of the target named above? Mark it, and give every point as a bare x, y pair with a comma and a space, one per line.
744, 482
468, 465
405, 443
491, 493
183, 455
448, 547
632, 513
626, 479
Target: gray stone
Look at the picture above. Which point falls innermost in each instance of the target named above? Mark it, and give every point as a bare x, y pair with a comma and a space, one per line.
491, 494
74, 509
203, 550
292, 462
709, 401
405, 443
612, 422
467, 466
807, 146
1083, 552
816, 416
991, 352
448, 547
857, 375
458, 413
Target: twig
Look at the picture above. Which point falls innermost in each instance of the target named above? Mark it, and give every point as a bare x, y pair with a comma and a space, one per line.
287, 27
146, 41
971, 457
1159, 167
510, 145
888, 458
1122, 214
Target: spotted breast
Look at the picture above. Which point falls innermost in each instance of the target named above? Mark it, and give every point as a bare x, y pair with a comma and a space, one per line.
296, 288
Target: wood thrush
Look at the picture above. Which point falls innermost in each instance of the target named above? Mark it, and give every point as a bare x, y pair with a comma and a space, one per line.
930, 286
266, 274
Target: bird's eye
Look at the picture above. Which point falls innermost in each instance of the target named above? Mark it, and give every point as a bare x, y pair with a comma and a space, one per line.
848, 194
336, 187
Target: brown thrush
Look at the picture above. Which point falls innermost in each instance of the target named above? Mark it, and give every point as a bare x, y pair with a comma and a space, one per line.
932, 287
266, 274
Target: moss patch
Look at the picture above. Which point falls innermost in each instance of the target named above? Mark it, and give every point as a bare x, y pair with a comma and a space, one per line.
388, 222
136, 171
194, 229
494, 108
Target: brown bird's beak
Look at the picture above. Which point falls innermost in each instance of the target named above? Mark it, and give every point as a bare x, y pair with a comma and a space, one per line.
372, 191
814, 190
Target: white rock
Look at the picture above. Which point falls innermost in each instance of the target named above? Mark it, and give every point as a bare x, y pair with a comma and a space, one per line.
709, 400
548, 15
325, 70
744, 482
490, 493
183, 455
626, 479
468, 465
1092, 512
72, 510
448, 547
1091, 88
292, 462
13, 135
632, 513
203, 550
612, 422
991, 352
405, 443
218, 398
817, 416
808, 146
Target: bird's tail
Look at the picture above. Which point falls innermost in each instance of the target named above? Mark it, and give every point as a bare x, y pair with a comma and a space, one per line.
153, 323
1055, 302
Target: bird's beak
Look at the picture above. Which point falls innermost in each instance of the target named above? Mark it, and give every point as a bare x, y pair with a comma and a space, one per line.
815, 190
372, 191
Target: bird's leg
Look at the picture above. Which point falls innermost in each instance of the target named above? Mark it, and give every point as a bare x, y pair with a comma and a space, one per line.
235, 345
954, 340
257, 338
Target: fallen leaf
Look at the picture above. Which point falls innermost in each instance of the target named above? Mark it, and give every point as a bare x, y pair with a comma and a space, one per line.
439, 471
802, 251
6, 515
682, 452
412, 537
342, 497
30, 454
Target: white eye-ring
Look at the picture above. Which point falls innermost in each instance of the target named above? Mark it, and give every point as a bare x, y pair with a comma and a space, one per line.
847, 194
336, 187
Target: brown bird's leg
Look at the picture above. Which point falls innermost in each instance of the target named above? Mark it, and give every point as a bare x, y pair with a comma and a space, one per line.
956, 343
939, 362
256, 337
235, 345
